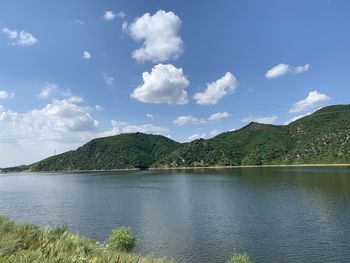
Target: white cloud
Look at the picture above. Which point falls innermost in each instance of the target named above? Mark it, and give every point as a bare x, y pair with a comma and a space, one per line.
52, 122
265, 120
182, 120
98, 108
124, 127
121, 14
87, 55
300, 69
314, 99
233, 129
298, 117
152, 116
60, 125
6, 95
159, 33
196, 136
125, 27
216, 90
20, 38
214, 132
79, 22
218, 116
282, 69
47, 91
109, 16
108, 79
165, 84
13, 34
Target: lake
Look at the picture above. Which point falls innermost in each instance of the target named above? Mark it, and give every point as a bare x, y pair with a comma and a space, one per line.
273, 214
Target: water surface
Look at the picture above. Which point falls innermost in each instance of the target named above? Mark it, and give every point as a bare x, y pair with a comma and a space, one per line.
274, 214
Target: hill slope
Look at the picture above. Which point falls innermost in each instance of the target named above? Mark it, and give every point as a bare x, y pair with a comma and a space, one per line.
116, 152
322, 137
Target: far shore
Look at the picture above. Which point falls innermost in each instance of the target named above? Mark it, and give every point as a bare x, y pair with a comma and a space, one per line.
189, 168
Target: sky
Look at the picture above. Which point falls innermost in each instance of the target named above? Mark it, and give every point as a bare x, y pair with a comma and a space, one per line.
71, 71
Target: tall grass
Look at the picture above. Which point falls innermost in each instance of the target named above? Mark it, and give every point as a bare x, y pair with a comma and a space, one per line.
25, 243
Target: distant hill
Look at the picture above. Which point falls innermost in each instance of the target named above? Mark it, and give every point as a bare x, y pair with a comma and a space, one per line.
322, 137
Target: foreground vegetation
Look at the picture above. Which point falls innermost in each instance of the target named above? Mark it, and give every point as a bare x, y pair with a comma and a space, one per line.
26, 243
321, 138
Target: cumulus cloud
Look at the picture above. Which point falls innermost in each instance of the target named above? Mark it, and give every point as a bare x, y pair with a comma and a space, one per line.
182, 120
47, 91
314, 99
159, 33
165, 84
87, 55
218, 116
108, 79
20, 38
6, 95
61, 125
196, 136
217, 90
282, 69
52, 122
30, 136
265, 120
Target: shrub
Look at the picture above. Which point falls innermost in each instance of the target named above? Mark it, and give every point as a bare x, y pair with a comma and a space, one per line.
121, 239
240, 258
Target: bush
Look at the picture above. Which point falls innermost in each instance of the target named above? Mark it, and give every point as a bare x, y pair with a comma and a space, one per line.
240, 258
121, 239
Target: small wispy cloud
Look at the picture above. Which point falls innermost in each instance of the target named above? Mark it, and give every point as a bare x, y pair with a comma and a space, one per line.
98, 108
20, 38
196, 136
87, 55
283, 69
188, 119
110, 15
108, 79
47, 91
6, 95
218, 116
79, 22
264, 120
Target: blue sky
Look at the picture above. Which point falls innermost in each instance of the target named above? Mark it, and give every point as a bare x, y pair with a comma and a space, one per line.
75, 70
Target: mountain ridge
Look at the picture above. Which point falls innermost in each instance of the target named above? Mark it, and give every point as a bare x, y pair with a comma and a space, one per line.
322, 137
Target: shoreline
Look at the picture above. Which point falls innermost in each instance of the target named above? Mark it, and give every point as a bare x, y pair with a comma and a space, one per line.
189, 168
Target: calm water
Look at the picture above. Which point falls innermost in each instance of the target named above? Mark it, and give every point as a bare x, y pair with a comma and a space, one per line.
276, 215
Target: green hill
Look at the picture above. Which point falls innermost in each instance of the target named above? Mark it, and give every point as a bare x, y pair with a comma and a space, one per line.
322, 137
122, 151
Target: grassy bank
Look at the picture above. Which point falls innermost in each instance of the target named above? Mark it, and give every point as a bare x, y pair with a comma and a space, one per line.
25, 243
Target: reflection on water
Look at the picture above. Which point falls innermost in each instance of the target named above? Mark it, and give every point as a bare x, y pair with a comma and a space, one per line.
275, 214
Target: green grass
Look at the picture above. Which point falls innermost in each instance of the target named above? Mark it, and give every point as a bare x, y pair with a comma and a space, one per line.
240, 258
25, 243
